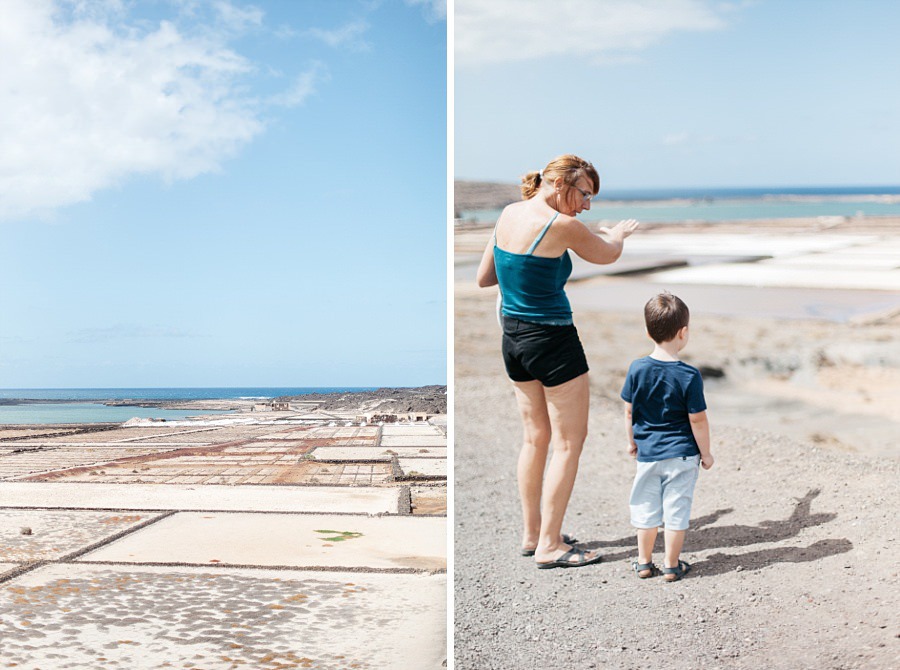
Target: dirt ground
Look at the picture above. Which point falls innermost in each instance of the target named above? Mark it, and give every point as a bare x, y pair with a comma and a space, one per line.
793, 537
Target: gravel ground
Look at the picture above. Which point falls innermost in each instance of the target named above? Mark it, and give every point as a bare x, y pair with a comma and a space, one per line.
793, 545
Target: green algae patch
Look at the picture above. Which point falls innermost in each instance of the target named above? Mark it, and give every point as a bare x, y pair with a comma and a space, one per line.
338, 535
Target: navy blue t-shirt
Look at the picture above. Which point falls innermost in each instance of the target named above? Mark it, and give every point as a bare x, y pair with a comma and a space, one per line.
662, 394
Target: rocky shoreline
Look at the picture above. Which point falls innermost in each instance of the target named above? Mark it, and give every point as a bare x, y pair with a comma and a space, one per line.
430, 399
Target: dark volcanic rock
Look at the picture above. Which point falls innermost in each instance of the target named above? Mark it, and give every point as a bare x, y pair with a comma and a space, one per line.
469, 195
430, 399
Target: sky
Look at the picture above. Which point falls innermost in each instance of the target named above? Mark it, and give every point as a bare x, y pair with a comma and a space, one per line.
222, 193
680, 93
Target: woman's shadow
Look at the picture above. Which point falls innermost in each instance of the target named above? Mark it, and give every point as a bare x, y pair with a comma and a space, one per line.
703, 536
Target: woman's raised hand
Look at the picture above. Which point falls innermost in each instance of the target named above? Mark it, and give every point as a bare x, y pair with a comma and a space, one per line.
621, 230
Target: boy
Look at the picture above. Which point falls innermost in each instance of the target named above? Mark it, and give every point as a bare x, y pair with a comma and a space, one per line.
668, 433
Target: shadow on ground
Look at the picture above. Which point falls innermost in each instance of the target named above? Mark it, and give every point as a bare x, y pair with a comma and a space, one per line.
704, 536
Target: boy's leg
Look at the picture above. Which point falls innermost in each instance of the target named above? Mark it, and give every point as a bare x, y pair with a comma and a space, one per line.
678, 494
646, 538
674, 543
646, 511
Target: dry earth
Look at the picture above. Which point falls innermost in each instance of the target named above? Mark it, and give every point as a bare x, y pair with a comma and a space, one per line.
793, 537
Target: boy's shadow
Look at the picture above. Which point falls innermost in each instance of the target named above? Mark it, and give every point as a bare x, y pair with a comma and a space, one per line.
702, 536
718, 564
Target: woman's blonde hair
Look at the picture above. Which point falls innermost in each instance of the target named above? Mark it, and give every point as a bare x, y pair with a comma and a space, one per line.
571, 168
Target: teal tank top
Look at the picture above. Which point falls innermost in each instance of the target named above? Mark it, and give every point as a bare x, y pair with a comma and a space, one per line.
532, 288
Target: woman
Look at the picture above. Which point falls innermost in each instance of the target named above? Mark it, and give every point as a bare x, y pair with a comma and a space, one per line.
528, 257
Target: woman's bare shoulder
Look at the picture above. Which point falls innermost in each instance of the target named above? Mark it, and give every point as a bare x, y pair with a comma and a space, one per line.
515, 207
570, 225
515, 212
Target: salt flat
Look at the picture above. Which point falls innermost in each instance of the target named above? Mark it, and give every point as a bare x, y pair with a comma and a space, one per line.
200, 497
429, 467
413, 441
52, 534
289, 540
389, 430
126, 616
365, 453
124, 566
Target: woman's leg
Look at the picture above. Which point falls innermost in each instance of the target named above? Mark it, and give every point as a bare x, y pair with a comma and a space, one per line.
567, 407
532, 457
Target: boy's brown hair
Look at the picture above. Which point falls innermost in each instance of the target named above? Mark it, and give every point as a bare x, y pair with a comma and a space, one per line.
665, 314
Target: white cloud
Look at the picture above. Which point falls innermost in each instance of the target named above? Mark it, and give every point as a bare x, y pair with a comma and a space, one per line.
674, 139
126, 331
238, 19
285, 32
303, 87
499, 31
435, 10
87, 100
348, 35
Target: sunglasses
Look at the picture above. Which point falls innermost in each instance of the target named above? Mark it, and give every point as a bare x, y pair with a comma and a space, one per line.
586, 196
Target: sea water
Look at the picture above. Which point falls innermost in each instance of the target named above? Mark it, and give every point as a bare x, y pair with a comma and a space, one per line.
713, 205
18, 406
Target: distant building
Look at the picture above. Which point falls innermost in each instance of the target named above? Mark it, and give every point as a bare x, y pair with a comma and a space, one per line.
272, 407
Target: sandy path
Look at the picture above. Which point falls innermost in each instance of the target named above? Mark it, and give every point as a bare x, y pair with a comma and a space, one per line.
793, 540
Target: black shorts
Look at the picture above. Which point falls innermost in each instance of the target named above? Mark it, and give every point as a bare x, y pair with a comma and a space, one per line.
552, 355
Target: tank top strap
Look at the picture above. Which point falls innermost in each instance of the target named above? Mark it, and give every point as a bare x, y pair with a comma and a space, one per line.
537, 240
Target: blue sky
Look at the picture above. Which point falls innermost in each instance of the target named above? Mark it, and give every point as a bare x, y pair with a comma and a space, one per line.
221, 193
680, 93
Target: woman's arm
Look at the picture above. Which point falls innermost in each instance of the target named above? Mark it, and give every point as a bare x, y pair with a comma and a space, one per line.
487, 273
595, 249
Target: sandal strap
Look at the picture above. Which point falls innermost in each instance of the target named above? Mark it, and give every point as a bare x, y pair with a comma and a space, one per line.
677, 570
572, 553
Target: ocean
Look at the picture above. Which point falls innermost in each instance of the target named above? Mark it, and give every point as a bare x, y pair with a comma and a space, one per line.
713, 205
18, 406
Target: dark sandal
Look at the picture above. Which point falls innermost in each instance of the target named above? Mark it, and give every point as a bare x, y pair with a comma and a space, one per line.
677, 572
641, 567
567, 539
563, 562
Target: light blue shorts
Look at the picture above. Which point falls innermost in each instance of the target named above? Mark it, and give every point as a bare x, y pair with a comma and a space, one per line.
663, 491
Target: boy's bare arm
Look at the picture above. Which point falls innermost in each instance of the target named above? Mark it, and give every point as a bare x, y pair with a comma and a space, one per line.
629, 431
700, 429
